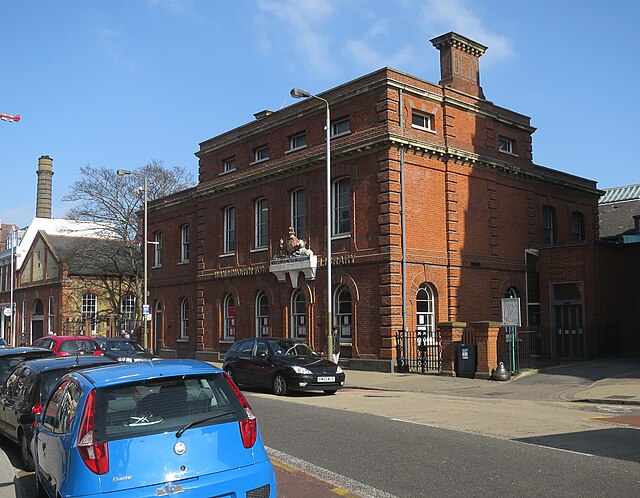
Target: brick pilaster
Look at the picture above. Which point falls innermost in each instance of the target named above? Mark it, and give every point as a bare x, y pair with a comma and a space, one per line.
450, 339
486, 334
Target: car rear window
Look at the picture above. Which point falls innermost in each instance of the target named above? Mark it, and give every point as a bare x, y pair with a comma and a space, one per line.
78, 345
162, 405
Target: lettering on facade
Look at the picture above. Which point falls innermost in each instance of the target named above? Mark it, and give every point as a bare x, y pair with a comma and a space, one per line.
241, 272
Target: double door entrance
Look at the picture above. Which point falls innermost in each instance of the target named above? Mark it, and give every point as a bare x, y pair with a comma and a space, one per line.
568, 321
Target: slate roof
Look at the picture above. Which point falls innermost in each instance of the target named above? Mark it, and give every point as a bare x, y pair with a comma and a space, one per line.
92, 256
616, 210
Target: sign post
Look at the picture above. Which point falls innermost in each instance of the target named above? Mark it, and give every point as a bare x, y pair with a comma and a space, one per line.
511, 320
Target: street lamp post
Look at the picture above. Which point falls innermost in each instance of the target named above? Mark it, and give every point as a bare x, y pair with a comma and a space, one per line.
297, 93
145, 306
13, 280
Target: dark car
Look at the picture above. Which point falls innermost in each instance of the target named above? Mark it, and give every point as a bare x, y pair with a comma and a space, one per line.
122, 349
69, 345
3, 343
27, 389
10, 357
281, 365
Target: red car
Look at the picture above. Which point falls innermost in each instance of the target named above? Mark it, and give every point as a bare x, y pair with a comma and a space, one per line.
69, 345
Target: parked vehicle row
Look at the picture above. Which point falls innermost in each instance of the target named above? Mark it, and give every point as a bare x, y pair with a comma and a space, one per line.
128, 424
131, 427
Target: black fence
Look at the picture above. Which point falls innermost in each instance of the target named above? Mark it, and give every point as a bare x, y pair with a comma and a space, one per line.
528, 350
418, 351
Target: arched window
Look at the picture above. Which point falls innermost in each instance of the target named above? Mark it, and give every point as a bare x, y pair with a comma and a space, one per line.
229, 318
577, 227
343, 313
298, 315
262, 315
184, 319
52, 316
158, 326
425, 314
511, 293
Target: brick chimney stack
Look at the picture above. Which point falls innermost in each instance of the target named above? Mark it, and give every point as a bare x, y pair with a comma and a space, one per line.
459, 63
43, 199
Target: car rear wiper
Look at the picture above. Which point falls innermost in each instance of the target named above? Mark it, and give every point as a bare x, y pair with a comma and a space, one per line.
200, 421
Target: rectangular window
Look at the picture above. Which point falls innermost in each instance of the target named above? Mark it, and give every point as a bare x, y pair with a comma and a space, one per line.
184, 244
298, 141
229, 230
262, 223
299, 213
341, 207
261, 153
158, 249
90, 309
422, 120
229, 164
340, 127
505, 145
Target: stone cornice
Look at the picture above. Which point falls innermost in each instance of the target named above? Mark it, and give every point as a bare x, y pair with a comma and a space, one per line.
460, 42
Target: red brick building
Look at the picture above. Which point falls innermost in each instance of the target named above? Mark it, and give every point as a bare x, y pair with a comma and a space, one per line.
435, 197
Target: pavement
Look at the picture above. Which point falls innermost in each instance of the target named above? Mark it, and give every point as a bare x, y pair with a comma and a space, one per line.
613, 381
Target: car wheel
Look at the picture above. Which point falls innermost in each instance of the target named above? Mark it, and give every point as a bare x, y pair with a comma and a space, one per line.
330, 391
27, 459
279, 385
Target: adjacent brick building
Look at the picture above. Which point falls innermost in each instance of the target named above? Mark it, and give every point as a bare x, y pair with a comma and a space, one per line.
435, 197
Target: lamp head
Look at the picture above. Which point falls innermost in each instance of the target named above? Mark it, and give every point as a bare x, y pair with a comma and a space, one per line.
122, 172
297, 93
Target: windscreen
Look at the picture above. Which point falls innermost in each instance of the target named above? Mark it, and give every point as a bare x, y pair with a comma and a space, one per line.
164, 405
291, 348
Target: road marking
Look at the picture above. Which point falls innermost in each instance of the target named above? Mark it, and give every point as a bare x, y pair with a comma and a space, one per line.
344, 486
493, 436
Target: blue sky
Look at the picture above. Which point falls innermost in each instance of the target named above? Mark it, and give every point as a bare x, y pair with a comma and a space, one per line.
118, 83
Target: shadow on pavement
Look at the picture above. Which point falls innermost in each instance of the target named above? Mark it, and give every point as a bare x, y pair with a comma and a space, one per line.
621, 444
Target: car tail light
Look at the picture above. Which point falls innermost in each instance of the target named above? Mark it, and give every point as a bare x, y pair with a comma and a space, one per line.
98, 352
248, 427
36, 410
94, 455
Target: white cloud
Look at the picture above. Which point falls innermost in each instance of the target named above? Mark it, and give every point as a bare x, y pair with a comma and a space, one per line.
370, 59
454, 15
301, 22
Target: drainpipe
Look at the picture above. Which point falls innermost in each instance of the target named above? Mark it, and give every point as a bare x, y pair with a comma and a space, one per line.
403, 235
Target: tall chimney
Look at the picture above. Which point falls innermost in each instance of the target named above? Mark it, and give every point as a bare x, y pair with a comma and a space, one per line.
459, 63
43, 199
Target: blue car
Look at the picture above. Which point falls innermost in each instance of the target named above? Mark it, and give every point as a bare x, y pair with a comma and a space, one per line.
151, 428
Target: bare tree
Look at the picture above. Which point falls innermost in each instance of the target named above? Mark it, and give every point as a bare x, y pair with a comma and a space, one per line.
113, 201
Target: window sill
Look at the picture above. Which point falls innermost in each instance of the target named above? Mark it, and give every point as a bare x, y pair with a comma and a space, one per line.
507, 153
421, 128
259, 161
341, 236
259, 249
154, 267
338, 135
183, 340
227, 255
227, 341
186, 262
226, 172
295, 150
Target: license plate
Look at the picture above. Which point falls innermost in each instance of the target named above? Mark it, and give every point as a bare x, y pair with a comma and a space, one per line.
326, 379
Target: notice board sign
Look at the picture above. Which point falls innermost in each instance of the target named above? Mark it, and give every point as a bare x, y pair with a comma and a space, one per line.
511, 312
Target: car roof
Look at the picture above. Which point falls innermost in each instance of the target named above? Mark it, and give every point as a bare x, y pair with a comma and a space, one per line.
61, 362
124, 373
70, 337
23, 351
